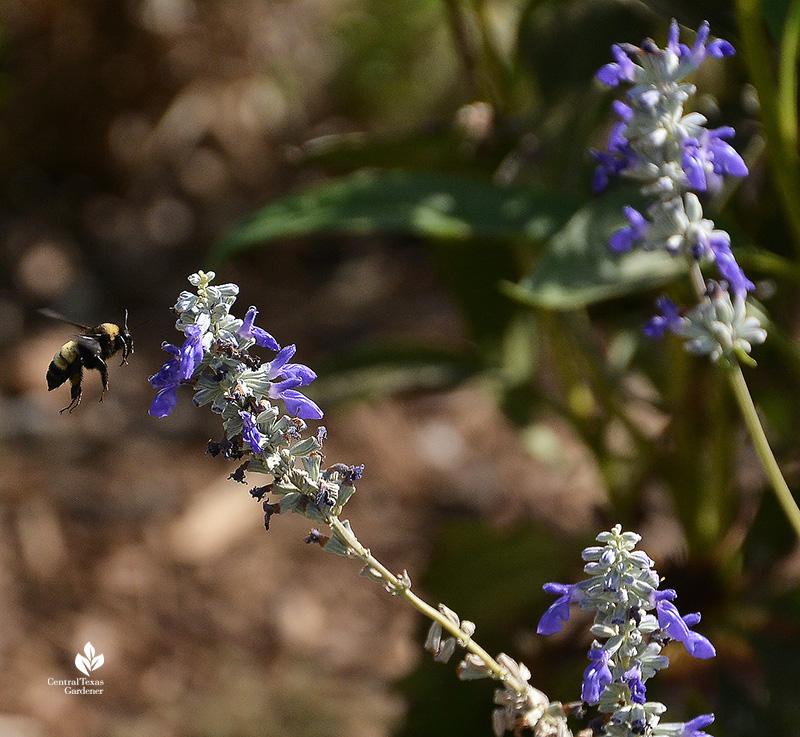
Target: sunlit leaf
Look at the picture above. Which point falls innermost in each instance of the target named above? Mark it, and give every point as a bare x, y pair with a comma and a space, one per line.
578, 268
424, 204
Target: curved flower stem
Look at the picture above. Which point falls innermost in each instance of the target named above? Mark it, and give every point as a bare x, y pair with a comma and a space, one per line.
401, 588
761, 444
754, 427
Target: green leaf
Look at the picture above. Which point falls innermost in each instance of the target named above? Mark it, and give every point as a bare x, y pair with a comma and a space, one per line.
379, 368
578, 268
414, 203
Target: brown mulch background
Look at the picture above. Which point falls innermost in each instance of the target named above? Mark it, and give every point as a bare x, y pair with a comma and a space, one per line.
132, 135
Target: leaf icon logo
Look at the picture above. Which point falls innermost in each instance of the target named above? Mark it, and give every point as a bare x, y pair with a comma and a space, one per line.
88, 662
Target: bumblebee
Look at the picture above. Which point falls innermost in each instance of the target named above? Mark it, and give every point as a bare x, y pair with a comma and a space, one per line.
88, 350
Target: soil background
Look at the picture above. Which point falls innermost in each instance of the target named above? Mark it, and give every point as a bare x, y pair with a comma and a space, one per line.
132, 136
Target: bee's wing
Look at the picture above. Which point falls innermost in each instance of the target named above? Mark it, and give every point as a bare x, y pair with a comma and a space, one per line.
89, 342
51, 313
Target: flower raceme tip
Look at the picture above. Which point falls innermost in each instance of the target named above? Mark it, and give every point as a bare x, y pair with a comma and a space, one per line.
633, 620
675, 158
215, 353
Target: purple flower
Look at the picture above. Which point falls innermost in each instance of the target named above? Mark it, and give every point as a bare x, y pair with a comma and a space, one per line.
558, 613
669, 319
708, 158
623, 70
679, 628
261, 337
596, 677
619, 156
728, 268
192, 351
673, 40
250, 432
177, 369
608, 166
164, 402
167, 381
295, 374
694, 727
624, 238
697, 54
633, 678
616, 140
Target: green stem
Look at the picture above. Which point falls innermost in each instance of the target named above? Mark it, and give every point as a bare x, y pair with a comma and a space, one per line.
464, 43
759, 438
787, 76
495, 65
478, 62
778, 112
754, 427
401, 588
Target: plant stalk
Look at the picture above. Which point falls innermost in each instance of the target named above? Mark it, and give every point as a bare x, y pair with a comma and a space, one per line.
754, 427
763, 449
400, 588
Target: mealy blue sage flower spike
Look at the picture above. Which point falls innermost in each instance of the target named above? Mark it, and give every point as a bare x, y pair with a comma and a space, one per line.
215, 362
214, 358
676, 159
634, 620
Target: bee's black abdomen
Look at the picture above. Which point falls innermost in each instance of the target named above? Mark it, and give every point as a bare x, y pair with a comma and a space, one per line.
63, 365
55, 376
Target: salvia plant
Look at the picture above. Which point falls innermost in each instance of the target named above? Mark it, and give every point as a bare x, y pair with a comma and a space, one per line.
633, 617
677, 160
675, 157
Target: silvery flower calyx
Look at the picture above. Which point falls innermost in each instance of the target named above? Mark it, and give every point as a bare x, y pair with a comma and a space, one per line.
217, 362
676, 160
634, 619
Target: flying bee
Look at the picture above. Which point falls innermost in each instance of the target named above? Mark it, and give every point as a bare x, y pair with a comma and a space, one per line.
88, 350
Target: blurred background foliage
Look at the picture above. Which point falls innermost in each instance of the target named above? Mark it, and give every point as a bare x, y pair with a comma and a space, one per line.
404, 189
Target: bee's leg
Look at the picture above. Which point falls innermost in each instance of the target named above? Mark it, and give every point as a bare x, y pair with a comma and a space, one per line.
75, 392
103, 369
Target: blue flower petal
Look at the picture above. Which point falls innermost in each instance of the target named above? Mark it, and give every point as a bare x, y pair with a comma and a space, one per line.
301, 406
164, 402
596, 677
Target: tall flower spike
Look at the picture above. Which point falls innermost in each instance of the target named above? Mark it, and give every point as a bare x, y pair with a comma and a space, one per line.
673, 155
214, 361
633, 619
